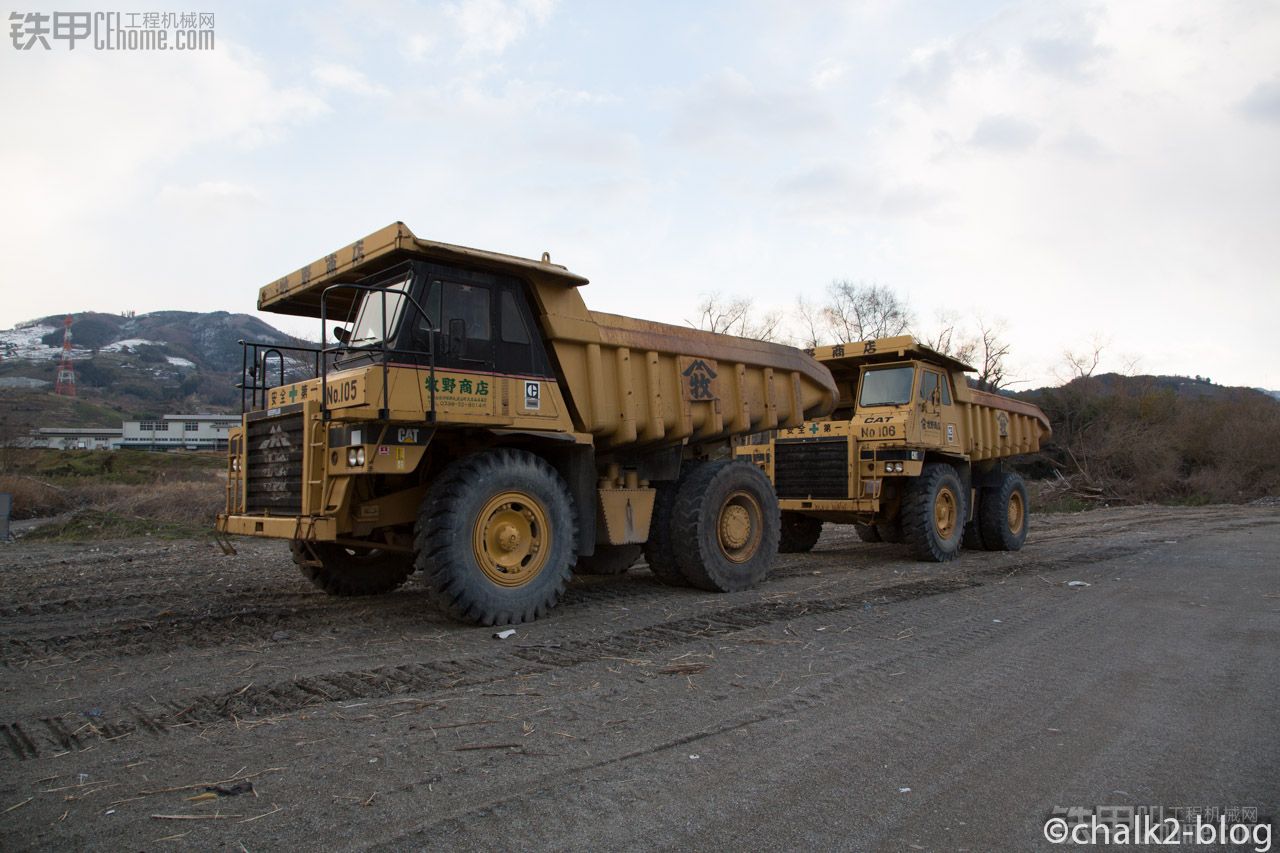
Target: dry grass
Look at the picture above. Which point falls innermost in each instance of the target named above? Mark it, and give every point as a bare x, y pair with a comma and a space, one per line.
185, 502
33, 498
104, 497
1139, 443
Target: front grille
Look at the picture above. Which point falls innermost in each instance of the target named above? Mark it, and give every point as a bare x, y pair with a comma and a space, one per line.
273, 465
811, 468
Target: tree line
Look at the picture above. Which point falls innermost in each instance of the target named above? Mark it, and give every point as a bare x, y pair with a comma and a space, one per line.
859, 311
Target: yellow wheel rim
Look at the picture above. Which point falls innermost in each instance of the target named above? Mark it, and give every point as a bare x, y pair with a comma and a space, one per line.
740, 527
1017, 513
945, 513
511, 539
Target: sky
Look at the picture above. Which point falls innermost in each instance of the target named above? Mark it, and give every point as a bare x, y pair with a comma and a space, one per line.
1085, 173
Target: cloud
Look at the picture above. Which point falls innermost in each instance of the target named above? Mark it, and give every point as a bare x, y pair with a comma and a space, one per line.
729, 105
1263, 103
491, 26
1004, 133
158, 107
828, 73
344, 78
210, 197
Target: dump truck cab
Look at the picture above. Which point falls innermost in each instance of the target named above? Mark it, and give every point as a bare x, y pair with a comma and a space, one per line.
474, 422
905, 414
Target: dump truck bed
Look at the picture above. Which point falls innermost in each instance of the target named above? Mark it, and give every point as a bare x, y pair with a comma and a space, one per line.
998, 426
626, 381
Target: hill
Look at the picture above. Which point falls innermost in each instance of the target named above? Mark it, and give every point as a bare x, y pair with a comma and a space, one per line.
1162, 438
128, 366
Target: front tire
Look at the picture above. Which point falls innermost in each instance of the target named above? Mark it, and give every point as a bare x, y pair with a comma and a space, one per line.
933, 513
726, 526
799, 533
1003, 514
347, 571
497, 537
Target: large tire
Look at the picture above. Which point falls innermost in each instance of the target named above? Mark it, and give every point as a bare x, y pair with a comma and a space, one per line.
609, 560
933, 513
867, 532
799, 533
659, 549
497, 537
347, 571
1003, 514
726, 526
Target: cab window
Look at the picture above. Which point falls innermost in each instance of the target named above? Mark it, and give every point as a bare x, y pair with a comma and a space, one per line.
886, 386
929, 387
514, 331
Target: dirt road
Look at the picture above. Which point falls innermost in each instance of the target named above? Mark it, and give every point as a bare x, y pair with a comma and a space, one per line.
857, 700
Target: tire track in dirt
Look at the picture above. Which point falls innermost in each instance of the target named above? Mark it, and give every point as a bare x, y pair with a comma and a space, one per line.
27, 738
854, 674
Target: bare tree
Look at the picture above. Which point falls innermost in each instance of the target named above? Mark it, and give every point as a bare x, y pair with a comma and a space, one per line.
728, 315
1083, 364
990, 352
812, 321
981, 345
949, 337
860, 312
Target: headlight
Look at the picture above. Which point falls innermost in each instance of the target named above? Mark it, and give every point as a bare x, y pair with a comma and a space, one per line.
360, 456
353, 458
235, 463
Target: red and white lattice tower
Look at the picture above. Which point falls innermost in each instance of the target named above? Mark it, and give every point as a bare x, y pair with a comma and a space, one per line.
66, 369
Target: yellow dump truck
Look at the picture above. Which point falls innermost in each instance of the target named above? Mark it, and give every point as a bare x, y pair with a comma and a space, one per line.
910, 454
475, 422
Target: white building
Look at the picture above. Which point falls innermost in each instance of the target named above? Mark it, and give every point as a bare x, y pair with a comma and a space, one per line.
77, 438
180, 432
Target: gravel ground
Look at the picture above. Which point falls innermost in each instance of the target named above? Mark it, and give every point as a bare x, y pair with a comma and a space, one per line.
857, 700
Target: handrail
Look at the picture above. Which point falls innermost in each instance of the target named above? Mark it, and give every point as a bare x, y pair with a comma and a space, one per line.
253, 365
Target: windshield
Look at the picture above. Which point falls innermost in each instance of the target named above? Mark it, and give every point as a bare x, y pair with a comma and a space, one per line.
886, 386
379, 313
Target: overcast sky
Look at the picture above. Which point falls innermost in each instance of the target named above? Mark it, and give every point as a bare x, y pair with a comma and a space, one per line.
1078, 171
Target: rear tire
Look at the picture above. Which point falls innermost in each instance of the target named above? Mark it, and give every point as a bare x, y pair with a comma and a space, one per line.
726, 526
609, 560
1004, 513
933, 513
348, 571
497, 538
659, 549
867, 532
799, 533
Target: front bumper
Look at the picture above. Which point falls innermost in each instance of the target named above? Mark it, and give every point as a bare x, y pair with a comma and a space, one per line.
315, 529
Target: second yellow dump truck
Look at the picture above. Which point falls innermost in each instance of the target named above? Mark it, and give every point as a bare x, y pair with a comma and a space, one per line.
911, 454
476, 423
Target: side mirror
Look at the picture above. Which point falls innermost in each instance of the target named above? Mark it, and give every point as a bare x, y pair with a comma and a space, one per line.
457, 335
343, 335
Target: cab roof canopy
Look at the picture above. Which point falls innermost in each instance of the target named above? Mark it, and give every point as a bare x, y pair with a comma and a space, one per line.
847, 358
299, 292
